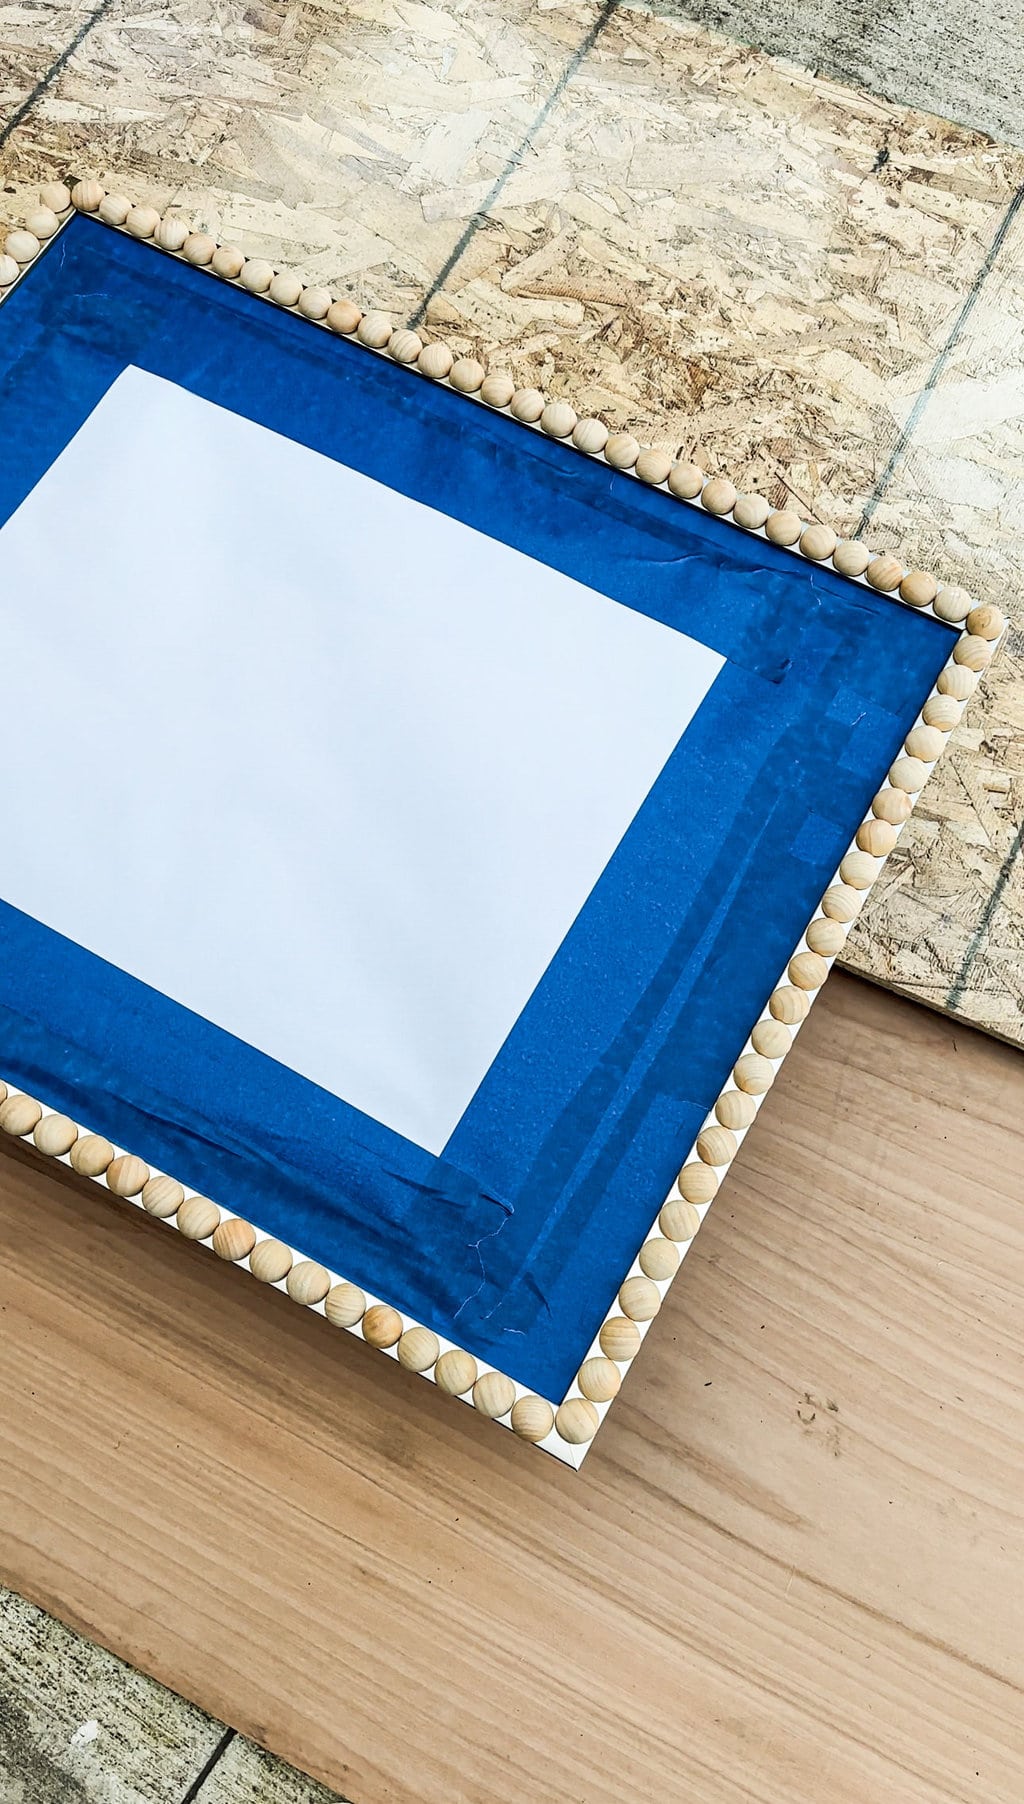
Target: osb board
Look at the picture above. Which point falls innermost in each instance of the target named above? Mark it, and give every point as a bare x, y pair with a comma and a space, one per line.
807, 1586
760, 268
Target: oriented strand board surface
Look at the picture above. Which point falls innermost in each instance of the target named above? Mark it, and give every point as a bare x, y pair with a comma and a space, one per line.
791, 1568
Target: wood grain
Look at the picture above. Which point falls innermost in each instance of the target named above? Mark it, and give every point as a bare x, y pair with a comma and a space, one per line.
791, 1567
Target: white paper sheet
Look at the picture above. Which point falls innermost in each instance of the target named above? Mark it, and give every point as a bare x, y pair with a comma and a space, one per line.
324, 765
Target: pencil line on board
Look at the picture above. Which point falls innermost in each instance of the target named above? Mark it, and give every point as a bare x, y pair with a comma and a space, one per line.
46, 81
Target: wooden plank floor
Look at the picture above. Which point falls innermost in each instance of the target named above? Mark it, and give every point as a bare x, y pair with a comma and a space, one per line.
792, 1566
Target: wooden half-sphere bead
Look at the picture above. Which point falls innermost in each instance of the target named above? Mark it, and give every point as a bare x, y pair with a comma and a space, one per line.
234, 1239
22, 246
973, 651
171, 233
826, 937
735, 1110
859, 870
640, 1299
494, 1394
342, 316
344, 1305
788, 1004
55, 1135
270, 1261
851, 558
87, 196
620, 1338
315, 303
285, 288
455, 1372
956, 680
198, 249
8, 270
590, 436
622, 451
56, 196
256, 275
558, 419
142, 222
818, 542
197, 1217
986, 622
527, 404
42, 222
382, 1325
807, 970
126, 1175
678, 1220
925, 743
658, 1259
919, 588
374, 329
751, 511
876, 837
162, 1197
404, 346
91, 1155
941, 711
892, 805
19, 1115
697, 1184
532, 1418
599, 1379
497, 388
653, 465
754, 1074
783, 527
885, 573
577, 1421
841, 902
114, 209
418, 1349
716, 1145
308, 1283
952, 605
686, 481
719, 495
771, 1039
435, 360
228, 261
467, 375
908, 774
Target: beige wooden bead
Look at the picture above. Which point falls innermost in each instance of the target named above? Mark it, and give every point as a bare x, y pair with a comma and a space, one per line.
171, 234
876, 837
658, 1259
527, 404
198, 249
783, 527
404, 346
9, 270
285, 288
435, 360
952, 605
55, 1135
234, 1239
197, 1217
716, 1145
925, 743
374, 329
315, 303
736, 1110
941, 711
640, 1299
86, 196
341, 316
919, 588
599, 1379
893, 805
344, 1305
590, 436
142, 222
114, 209
986, 622
162, 1197
126, 1175
697, 1184
751, 511
532, 1418
686, 481
973, 651
754, 1074
851, 558
56, 196
21, 246
270, 1261
807, 970
909, 774
621, 451
228, 261
19, 1115
467, 375
771, 1039
956, 680
818, 542
256, 275
653, 465
719, 495
494, 1394
455, 1372
841, 902
308, 1283
859, 870
885, 572
577, 1421
826, 937
558, 419
418, 1349
42, 222
678, 1220
91, 1155
620, 1338
788, 1004
497, 388
382, 1325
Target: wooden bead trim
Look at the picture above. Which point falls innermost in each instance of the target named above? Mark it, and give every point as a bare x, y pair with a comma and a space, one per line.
565, 1428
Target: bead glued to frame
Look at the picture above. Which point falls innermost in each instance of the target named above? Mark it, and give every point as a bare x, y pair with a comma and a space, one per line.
807, 970
754, 1074
56, 196
418, 1349
86, 196
973, 651
404, 346
198, 249
42, 222
344, 1305
876, 837
577, 1421
842, 902
171, 234
234, 1239
21, 246
270, 1261
374, 330
919, 588
893, 805
851, 558
678, 1220
789, 1005
558, 419
771, 1039
653, 466
532, 1418
9, 271
342, 316
827, 937
127, 1175
19, 1115
957, 681
751, 511
455, 1372
467, 375
685, 481
620, 1339
783, 527
986, 622
716, 1145
91, 1155
285, 288
55, 1135
599, 1379
908, 774
697, 1184
315, 303
640, 1299
942, 711
308, 1283
382, 1325
818, 542
859, 870
925, 743
142, 222
734, 1110
227, 261
621, 451
114, 209
494, 1394
162, 1197
952, 605
658, 1259
198, 1217
885, 573
590, 436
256, 276
718, 496
435, 360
